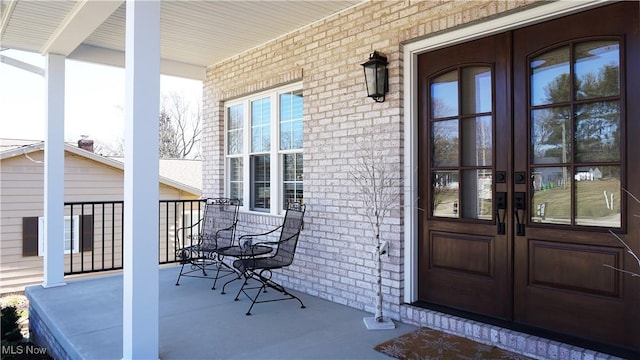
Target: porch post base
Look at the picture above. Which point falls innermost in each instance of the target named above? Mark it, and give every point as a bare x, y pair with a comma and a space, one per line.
372, 324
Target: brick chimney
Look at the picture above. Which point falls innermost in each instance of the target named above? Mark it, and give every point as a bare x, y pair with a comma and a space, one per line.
85, 144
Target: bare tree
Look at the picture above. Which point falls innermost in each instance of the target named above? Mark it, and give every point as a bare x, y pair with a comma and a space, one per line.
180, 127
627, 247
378, 185
167, 138
179, 131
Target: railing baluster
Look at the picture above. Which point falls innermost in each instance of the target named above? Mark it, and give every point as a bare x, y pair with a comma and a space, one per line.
102, 234
93, 229
71, 245
172, 212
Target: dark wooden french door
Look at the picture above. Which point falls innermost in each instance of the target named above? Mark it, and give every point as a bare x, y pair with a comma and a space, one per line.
526, 152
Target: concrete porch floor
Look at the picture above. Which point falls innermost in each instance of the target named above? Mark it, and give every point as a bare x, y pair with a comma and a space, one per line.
85, 319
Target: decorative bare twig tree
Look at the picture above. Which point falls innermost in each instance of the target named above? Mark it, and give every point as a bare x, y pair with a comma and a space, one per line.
377, 181
629, 250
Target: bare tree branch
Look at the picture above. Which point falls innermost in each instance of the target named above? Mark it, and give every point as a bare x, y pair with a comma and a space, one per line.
182, 130
629, 250
377, 182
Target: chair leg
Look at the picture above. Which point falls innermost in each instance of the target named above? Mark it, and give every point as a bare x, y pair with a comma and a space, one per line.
238, 277
228, 269
264, 284
254, 300
202, 265
274, 285
180, 275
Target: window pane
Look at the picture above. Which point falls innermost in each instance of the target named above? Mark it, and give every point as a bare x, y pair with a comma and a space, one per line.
550, 79
260, 181
292, 179
444, 95
476, 90
67, 235
234, 129
476, 194
291, 119
598, 132
598, 196
597, 69
477, 143
551, 136
445, 194
235, 176
444, 143
551, 202
260, 125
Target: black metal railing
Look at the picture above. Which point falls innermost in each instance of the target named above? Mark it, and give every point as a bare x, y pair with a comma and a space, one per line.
95, 233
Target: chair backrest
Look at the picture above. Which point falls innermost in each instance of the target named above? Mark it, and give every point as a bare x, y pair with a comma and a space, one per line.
289, 234
219, 223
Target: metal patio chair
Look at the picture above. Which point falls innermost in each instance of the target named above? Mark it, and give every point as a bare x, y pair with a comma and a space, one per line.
215, 229
260, 268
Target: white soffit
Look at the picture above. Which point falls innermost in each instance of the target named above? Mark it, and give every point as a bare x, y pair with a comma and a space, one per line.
194, 34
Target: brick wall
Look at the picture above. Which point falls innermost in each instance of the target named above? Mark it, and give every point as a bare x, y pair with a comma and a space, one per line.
334, 259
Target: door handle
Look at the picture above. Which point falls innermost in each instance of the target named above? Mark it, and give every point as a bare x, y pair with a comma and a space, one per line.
519, 207
501, 204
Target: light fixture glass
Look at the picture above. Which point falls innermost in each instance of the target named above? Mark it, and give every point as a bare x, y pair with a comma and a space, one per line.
375, 74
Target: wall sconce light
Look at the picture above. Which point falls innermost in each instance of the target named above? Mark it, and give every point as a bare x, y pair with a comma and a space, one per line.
376, 77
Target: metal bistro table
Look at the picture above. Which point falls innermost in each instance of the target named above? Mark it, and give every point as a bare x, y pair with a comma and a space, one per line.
246, 252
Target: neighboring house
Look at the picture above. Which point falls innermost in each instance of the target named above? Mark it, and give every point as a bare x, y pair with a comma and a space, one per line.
185, 171
89, 177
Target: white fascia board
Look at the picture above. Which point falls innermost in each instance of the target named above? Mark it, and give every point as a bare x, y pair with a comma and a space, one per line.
79, 24
104, 56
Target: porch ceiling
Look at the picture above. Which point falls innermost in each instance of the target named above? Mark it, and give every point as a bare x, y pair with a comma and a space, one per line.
194, 34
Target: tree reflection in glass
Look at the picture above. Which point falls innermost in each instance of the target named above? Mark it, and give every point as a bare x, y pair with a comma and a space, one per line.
444, 143
551, 135
598, 132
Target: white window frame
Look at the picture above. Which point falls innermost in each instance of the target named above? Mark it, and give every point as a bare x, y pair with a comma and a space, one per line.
276, 155
67, 234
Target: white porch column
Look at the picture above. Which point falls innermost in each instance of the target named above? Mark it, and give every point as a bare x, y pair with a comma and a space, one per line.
141, 176
141, 226
54, 173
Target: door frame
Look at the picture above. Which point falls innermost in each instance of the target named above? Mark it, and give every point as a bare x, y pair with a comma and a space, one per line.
411, 51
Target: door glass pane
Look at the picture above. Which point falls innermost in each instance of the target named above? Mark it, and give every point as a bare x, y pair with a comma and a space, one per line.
476, 90
551, 135
598, 132
550, 77
477, 188
444, 95
445, 193
444, 142
597, 69
477, 141
551, 201
598, 196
